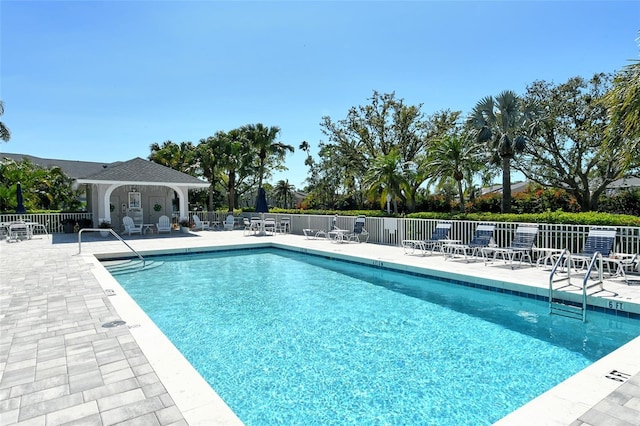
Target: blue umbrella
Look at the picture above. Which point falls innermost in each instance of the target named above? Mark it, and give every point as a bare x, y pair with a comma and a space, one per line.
261, 202
20, 209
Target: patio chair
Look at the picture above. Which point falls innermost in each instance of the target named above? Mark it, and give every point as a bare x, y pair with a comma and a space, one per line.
482, 237
164, 224
229, 223
18, 231
521, 246
359, 233
269, 225
200, 225
599, 240
130, 227
285, 225
440, 233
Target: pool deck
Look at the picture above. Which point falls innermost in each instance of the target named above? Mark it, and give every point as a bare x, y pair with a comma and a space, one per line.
61, 363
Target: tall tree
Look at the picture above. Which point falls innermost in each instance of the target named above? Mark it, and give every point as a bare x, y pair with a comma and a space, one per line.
503, 123
236, 159
179, 157
283, 192
372, 131
568, 148
208, 161
623, 102
457, 157
386, 179
268, 151
5, 135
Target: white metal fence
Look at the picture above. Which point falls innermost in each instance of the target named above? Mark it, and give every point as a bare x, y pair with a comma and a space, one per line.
391, 231
53, 222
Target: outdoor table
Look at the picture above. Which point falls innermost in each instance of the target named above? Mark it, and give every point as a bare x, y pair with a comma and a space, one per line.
337, 235
547, 255
147, 227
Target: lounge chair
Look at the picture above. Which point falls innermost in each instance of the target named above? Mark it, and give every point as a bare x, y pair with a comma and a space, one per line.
627, 267
599, 240
200, 225
359, 233
164, 224
521, 246
440, 233
482, 237
314, 234
130, 227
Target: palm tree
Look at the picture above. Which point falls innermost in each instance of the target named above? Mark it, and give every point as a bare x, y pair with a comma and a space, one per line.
267, 149
623, 101
386, 178
208, 161
502, 122
5, 135
234, 157
453, 156
284, 192
176, 156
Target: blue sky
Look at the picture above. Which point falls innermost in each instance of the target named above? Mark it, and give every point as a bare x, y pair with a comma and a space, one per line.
101, 81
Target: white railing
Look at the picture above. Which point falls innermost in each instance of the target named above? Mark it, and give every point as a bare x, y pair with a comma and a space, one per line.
390, 231
53, 222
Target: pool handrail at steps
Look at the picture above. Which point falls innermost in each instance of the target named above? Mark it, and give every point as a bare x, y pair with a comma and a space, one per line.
569, 310
558, 307
115, 234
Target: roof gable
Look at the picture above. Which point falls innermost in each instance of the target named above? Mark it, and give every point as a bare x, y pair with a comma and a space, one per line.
139, 170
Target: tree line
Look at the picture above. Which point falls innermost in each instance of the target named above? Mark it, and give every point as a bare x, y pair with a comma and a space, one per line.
578, 136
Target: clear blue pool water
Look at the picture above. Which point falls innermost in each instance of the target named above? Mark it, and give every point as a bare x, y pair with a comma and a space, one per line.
287, 338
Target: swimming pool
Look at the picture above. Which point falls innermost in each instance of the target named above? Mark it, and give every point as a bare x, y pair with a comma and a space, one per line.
295, 339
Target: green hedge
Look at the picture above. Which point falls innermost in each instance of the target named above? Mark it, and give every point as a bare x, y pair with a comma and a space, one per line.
558, 217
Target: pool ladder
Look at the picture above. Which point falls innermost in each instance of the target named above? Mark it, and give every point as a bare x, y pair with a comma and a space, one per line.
578, 310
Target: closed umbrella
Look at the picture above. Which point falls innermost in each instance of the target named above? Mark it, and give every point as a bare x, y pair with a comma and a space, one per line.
20, 208
261, 202
262, 207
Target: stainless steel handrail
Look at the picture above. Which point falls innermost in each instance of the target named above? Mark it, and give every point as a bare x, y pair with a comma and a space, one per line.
597, 257
114, 233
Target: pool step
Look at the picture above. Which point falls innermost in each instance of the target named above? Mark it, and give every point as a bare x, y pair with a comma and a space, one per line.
569, 311
119, 267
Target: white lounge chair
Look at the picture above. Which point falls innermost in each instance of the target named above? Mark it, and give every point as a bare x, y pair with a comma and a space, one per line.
164, 224
200, 225
599, 240
439, 234
522, 245
482, 237
130, 227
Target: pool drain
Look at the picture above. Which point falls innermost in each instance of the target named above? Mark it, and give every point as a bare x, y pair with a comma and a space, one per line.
112, 324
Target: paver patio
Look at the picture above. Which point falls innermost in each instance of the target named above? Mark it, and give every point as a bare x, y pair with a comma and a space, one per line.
60, 366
